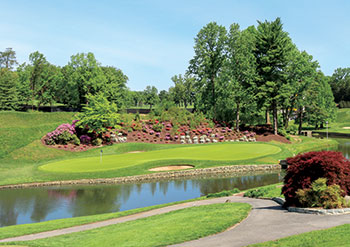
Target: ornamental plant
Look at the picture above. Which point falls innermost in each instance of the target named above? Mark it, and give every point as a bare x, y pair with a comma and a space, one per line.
321, 195
305, 168
98, 115
61, 135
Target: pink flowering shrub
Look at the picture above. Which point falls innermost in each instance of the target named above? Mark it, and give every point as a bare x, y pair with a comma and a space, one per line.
63, 134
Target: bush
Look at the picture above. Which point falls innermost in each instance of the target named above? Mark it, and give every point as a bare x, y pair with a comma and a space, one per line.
321, 195
256, 193
97, 142
85, 139
292, 129
223, 193
63, 134
305, 168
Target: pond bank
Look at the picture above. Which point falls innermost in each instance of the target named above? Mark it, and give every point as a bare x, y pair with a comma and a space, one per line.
152, 177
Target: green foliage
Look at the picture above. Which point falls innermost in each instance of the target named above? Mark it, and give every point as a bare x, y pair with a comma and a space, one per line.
158, 127
206, 65
97, 142
321, 195
268, 191
8, 91
151, 95
340, 83
223, 193
98, 115
292, 129
8, 59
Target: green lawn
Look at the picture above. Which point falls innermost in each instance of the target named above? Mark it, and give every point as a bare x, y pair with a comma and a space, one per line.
22, 152
228, 152
25, 229
160, 230
341, 124
332, 237
268, 191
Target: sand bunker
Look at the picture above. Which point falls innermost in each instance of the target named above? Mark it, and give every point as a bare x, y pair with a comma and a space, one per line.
346, 128
170, 168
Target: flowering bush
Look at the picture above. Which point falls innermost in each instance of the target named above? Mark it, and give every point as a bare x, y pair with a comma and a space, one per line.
63, 134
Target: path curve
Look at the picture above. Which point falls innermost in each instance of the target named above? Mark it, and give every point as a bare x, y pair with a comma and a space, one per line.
267, 221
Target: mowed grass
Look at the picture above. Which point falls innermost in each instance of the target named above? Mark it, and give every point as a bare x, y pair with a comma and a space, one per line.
341, 123
25, 229
234, 151
21, 152
160, 230
332, 237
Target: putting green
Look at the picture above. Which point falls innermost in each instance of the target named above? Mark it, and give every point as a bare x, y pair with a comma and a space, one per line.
220, 152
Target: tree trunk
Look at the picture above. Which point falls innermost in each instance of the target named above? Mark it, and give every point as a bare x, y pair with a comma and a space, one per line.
237, 117
300, 120
268, 121
213, 95
322, 126
275, 131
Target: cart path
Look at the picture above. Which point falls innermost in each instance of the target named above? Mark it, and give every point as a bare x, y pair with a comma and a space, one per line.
266, 221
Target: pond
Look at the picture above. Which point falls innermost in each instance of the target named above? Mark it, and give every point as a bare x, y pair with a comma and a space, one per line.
20, 206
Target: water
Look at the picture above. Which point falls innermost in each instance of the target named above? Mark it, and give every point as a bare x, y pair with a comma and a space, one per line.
20, 206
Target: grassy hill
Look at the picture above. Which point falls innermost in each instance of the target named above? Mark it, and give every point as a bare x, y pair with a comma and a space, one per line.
341, 123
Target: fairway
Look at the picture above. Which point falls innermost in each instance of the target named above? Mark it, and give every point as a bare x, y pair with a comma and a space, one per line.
212, 152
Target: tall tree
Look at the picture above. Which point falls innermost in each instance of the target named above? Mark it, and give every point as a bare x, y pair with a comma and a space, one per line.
237, 81
207, 63
273, 46
83, 76
24, 72
115, 87
38, 63
8, 59
8, 92
300, 73
319, 105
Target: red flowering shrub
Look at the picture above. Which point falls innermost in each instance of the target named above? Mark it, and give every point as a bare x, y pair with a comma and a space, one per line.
305, 168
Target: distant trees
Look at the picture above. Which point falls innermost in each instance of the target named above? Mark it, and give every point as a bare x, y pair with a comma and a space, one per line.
151, 96
340, 83
8, 92
8, 59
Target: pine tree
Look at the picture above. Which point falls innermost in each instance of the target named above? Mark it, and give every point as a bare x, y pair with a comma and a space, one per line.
8, 91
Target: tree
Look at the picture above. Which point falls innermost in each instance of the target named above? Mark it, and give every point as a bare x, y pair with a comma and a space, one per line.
151, 96
340, 83
8, 59
163, 96
115, 87
301, 72
99, 114
8, 92
207, 63
23, 83
237, 81
83, 76
273, 46
319, 104
38, 63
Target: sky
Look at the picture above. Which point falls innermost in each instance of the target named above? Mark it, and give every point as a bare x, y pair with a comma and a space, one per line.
152, 40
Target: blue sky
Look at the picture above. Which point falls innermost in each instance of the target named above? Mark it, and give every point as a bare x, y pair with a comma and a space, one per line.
150, 41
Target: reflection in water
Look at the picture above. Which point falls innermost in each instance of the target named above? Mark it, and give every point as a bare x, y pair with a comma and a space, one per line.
40, 204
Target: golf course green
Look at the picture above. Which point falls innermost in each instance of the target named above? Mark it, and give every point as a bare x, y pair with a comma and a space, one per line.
219, 152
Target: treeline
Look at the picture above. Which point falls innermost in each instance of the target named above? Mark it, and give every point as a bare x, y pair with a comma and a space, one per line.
236, 77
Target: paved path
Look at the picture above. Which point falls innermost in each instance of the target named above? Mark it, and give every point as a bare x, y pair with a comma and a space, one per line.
267, 221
